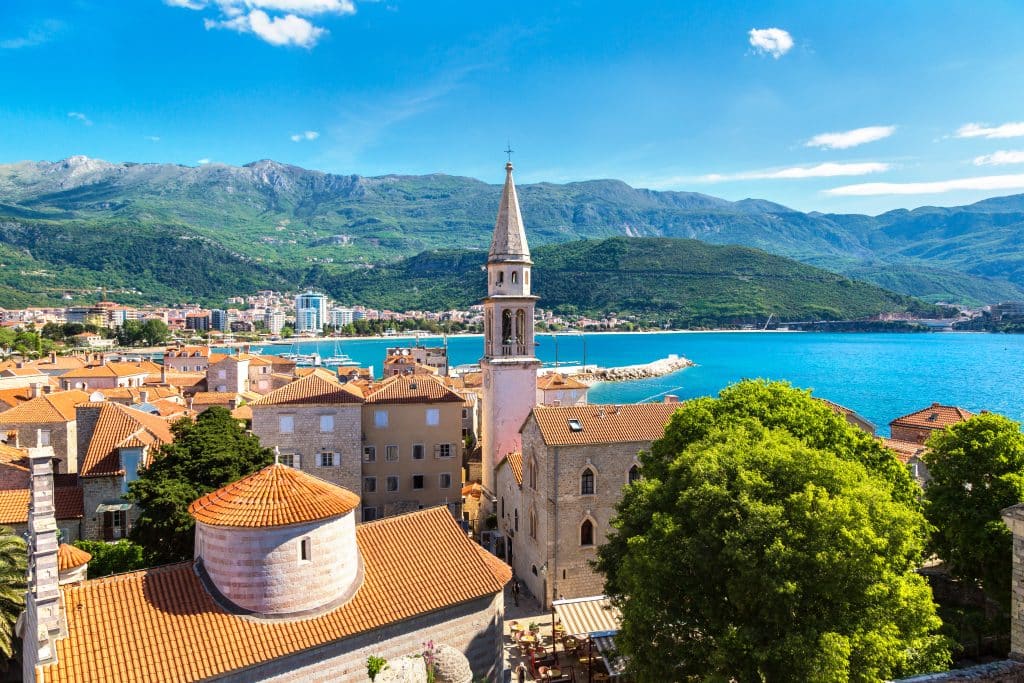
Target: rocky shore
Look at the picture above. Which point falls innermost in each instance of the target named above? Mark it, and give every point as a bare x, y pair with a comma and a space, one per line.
625, 373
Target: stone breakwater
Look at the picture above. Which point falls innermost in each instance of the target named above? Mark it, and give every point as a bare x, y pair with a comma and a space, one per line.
625, 373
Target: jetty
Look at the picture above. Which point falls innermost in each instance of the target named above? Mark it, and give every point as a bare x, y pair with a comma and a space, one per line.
625, 373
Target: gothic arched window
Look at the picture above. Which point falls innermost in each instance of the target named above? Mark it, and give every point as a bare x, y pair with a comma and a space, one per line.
515, 277
587, 532
506, 327
533, 524
520, 326
634, 474
501, 277
533, 473
587, 482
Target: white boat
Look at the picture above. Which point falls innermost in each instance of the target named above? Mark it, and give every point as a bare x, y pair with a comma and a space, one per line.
341, 359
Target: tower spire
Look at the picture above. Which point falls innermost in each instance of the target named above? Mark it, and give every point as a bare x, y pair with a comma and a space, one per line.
509, 241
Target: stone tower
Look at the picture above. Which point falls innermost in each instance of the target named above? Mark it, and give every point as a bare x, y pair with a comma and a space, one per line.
509, 365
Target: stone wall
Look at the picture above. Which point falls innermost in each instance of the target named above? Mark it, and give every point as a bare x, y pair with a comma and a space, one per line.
474, 628
307, 441
96, 490
261, 570
1006, 671
63, 440
510, 393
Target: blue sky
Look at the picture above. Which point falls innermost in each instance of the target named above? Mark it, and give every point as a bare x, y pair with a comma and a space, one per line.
728, 98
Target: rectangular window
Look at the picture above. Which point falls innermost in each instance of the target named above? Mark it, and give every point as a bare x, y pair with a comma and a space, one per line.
222, 374
380, 418
417, 451
369, 514
392, 483
327, 460
326, 424
306, 550
286, 459
369, 484
445, 481
443, 450
433, 417
44, 437
369, 454
286, 424
465, 413
391, 454
417, 482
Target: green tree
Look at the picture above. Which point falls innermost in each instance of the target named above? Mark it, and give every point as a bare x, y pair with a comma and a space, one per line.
112, 558
977, 469
13, 564
789, 545
205, 455
129, 333
287, 331
155, 332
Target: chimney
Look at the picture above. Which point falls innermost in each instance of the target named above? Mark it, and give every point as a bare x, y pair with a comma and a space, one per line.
53, 356
600, 412
48, 389
20, 364
43, 624
36, 389
671, 398
144, 396
163, 375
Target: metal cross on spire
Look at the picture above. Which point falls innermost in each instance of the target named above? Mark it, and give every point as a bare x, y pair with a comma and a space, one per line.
509, 151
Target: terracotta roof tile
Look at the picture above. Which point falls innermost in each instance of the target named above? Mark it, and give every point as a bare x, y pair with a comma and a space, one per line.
188, 352
277, 495
180, 379
936, 416
67, 501
412, 389
556, 381
69, 557
135, 393
317, 388
115, 369
56, 407
593, 424
214, 398
120, 427
242, 413
905, 450
515, 463
16, 396
161, 625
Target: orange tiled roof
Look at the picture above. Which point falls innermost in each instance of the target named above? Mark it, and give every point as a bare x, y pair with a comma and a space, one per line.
67, 500
277, 495
214, 398
115, 369
135, 393
166, 407
936, 416
556, 381
69, 557
603, 424
25, 371
317, 388
120, 427
56, 407
242, 412
180, 379
411, 389
161, 624
16, 396
515, 463
905, 450
188, 352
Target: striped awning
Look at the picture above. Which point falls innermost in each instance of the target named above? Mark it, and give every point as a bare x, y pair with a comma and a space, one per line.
612, 660
588, 616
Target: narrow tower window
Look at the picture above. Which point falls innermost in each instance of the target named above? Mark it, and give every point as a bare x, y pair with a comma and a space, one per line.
521, 328
305, 550
515, 277
506, 327
587, 532
501, 277
587, 482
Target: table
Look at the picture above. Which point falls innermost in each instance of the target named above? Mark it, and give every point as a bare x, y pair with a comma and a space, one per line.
528, 638
553, 673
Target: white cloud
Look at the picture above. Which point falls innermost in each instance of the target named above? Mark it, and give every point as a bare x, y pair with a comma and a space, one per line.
850, 138
153, 138
980, 130
305, 135
828, 170
187, 4
988, 183
203, 162
770, 41
306, 8
286, 30
80, 116
1000, 158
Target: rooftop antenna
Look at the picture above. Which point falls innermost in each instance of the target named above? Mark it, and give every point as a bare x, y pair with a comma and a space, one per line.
509, 151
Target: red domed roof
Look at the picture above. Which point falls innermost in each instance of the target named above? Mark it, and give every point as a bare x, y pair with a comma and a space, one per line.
277, 495
69, 557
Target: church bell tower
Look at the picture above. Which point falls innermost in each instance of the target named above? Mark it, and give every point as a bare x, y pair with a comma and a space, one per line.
509, 364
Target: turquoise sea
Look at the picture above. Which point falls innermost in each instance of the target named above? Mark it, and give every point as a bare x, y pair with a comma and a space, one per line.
881, 376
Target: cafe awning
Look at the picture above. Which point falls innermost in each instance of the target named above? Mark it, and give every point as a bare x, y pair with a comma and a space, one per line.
113, 507
593, 616
615, 664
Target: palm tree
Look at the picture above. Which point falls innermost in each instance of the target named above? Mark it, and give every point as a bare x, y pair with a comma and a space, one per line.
13, 563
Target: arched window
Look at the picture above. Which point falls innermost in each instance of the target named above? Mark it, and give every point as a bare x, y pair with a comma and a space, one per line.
533, 473
634, 474
526, 277
587, 482
533, 524
520, 326
587, 532
501, 277
503, 506
506, 327
515, 277
516, 512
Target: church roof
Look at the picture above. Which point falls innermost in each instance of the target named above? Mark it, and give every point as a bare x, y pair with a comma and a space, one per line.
161, 625
509, 241
594, 424
320, 387
277, 495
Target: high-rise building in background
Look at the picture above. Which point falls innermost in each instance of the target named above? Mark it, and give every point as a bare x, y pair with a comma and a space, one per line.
310, 312
274, 320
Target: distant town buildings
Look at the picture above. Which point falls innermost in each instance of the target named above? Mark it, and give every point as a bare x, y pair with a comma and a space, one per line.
310, 313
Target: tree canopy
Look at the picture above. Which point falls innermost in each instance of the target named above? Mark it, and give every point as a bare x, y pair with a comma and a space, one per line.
112, 558
789, 542
205, 455
152, 332
977, 469
13, 564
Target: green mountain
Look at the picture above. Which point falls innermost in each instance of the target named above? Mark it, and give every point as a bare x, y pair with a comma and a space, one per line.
164, 231
685, 281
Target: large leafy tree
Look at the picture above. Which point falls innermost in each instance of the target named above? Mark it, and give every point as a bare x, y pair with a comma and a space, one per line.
205, 455
977, 469
770, 540
112, 558
13, 563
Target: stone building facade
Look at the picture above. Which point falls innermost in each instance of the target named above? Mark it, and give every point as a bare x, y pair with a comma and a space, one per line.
48, 421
